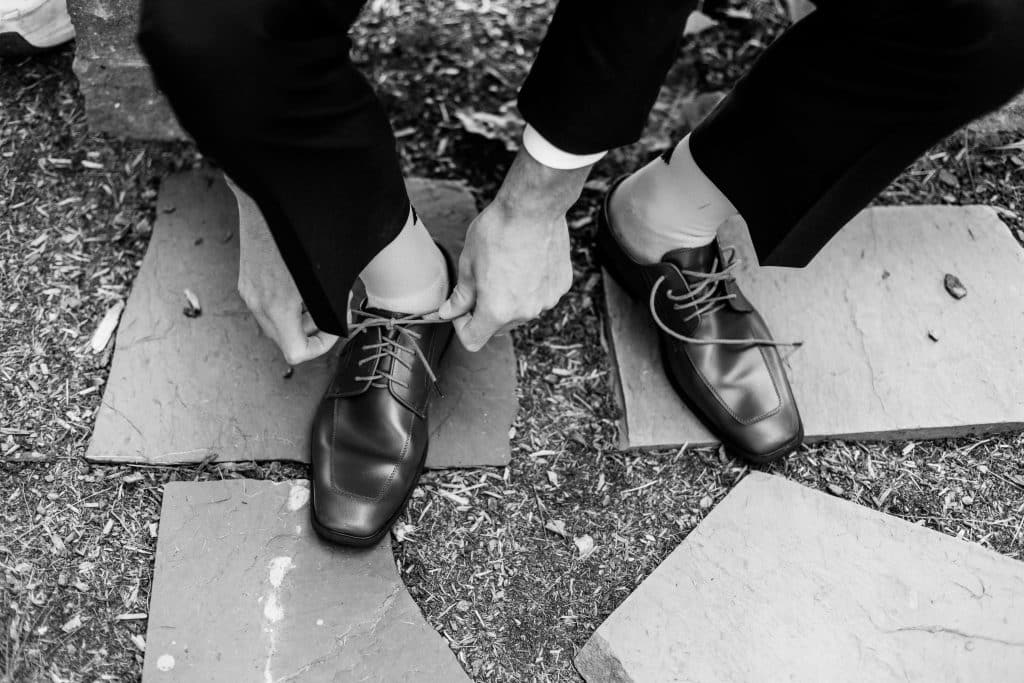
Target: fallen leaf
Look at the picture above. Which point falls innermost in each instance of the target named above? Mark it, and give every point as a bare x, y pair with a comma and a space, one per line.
947, 178
403, 530
698, 22
101, 337
73, 624
585, 544
557, 526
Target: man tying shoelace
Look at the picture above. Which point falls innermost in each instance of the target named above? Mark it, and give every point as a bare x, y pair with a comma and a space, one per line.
825, 119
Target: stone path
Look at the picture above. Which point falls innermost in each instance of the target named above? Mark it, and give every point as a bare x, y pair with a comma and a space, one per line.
181, 388
781, 582
888, 353
244, 591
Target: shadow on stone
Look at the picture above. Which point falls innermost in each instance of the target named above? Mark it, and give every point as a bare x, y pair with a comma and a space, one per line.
182, 389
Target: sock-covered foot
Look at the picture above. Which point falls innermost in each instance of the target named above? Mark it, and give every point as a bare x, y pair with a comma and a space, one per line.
668, 204
410, 274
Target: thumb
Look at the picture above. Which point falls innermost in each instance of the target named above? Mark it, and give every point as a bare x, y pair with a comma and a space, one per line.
461, 301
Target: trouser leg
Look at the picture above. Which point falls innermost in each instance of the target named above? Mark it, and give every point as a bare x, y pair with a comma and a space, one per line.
266, 87
844, 101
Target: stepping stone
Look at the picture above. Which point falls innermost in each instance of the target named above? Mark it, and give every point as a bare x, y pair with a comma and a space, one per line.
182, 389
120, 97
781, 582
244, 591
864, 308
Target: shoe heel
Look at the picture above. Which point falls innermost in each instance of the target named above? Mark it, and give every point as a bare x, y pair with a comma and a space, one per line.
611, 256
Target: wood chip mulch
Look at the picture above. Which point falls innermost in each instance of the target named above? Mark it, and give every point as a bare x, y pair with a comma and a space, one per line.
514, 566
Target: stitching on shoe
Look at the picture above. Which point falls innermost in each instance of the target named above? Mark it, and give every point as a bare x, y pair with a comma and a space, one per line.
336, 488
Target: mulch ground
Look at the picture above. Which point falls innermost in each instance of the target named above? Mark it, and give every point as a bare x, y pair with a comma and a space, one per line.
515, 566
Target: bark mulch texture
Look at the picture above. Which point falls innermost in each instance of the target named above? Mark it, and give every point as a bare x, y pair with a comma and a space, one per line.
514, 566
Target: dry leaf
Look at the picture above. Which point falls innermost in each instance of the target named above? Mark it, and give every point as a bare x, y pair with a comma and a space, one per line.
698, 22
585, 544
101, 337
72, 624
557, 526
403, 530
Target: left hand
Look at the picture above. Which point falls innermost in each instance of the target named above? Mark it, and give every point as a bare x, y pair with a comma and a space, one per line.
516, 262
514, 266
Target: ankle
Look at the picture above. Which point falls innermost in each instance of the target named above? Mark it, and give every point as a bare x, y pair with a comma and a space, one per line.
636, 228
414, 283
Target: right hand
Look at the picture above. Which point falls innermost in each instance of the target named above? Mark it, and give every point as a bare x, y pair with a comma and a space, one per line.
269, 291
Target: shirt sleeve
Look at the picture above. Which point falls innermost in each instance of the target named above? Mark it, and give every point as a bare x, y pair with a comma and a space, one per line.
547, 154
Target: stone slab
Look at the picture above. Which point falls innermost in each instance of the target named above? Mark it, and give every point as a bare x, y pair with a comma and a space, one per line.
781, 582
864, 309
244, 591
181, 389
115, 80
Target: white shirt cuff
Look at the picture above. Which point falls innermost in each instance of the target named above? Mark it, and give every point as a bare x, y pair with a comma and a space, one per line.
552, 157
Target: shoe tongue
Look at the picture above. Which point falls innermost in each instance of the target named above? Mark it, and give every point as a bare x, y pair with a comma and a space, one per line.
699, 259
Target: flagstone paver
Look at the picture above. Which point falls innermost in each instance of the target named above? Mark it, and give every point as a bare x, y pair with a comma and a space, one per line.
781, 582
887, 354
181, 388
120, 97
244, 591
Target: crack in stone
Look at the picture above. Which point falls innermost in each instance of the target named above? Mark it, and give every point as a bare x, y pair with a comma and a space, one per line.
929, 628
365, 627
863, 348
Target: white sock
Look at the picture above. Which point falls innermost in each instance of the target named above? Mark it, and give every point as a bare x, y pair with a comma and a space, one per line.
409, 275
668, 205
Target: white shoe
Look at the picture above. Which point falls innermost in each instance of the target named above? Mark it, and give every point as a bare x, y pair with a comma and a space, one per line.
28, 26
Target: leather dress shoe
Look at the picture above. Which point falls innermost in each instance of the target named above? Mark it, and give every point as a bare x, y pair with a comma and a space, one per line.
716, 349
370, 431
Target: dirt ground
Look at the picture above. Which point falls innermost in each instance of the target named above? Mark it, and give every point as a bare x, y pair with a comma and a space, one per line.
514, 599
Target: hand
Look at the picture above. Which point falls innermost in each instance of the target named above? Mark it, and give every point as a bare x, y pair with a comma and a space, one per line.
515, 264
269, 291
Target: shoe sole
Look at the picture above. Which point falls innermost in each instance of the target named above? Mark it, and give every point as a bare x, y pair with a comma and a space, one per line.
624, 282
341, 538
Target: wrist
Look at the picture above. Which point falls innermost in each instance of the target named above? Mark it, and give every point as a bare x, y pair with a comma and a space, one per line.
533, 189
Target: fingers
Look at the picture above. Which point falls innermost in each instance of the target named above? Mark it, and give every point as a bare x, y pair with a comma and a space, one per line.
309, 327
476, 329
295, 333
463, 297
298, 347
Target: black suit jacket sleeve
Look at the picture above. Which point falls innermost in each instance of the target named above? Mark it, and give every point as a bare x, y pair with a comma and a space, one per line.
599, 70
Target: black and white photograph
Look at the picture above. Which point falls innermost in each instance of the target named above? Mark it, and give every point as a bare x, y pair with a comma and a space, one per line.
554, 341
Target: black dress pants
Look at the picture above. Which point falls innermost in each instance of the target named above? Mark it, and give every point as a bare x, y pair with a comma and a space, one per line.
832, 111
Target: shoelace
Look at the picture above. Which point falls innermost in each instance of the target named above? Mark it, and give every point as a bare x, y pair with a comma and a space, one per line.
391, 348
703, 300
